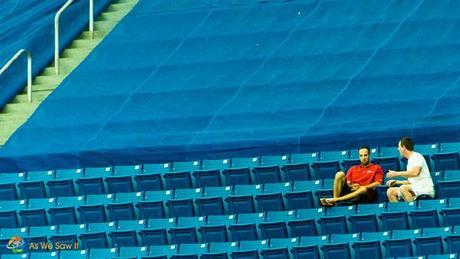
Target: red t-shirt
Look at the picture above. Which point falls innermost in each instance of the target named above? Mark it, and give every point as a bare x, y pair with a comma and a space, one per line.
365, 175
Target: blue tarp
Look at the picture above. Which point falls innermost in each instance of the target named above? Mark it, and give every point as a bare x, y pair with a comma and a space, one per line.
29, 24
175, 81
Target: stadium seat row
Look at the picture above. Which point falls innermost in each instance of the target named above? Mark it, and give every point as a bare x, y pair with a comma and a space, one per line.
424, 242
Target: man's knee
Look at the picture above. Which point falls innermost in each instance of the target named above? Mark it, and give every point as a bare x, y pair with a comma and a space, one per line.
405, 188
340, 175
393, 191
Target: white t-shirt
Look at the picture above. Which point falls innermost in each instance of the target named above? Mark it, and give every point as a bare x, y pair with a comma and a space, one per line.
421, 184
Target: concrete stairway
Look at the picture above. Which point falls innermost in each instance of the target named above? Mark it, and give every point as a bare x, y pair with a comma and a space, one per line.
15, 113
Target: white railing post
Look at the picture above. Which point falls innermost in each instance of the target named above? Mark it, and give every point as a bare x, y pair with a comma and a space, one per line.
29, 69
91, 18
56, 35
56, 29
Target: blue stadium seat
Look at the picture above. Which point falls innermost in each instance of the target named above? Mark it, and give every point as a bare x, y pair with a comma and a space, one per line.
248, 254
181, 208
336, 250
43, 255
309, 247
448, 158
270, 202
244, 232
245, 162
237, 176
240, 204
387, 152
153, 205
31, 190
149, 182
178, 180
275, 253
101, 227
388, 163
277, 187
183, 235
103, 252
270, 230
74, 254
89, 186
216, 228
299, 200
326, 169
61, 187
219, 164
193, 249
207, 178
447, 189
12, 177
365, 219
266, 174
217, 191
277, 216
124, 206
189, 166
133, 252
396, 216
121, 211
283, 242
127, 170
305, 223
64, 212
124, 238
367, 249
274, 160
93, 172
162, 252
36, 214
94, 240
119, 184
453, 243
335, 220
7, 233
334, 155
426, 214
210, 206
247, 189
94, 208
296, 172
428, 245
8, 192
258, 245
156, 232
449, 175
398, 247
157, 168
8, 216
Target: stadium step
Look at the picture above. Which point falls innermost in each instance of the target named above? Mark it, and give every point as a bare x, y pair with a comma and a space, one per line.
15, 113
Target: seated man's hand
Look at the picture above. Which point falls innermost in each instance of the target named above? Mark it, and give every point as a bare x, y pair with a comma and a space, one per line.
391, 183
391, 174
354, 186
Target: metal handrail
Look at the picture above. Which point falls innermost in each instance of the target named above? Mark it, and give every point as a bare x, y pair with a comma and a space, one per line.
29, 69
56, 29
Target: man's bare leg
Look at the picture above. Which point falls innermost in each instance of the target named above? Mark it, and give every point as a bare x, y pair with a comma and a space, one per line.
351, 196
393, 194
407, 193
339, 181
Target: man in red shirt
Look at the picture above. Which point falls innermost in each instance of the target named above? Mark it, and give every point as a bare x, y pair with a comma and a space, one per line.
359, 183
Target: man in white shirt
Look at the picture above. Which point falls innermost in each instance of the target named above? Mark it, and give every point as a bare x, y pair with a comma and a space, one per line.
418, 176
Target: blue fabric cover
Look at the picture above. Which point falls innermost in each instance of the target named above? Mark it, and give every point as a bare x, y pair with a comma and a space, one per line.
29, 24
185, 80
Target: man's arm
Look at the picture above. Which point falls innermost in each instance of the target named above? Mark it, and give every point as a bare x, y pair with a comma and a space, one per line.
413, 172
373, 185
